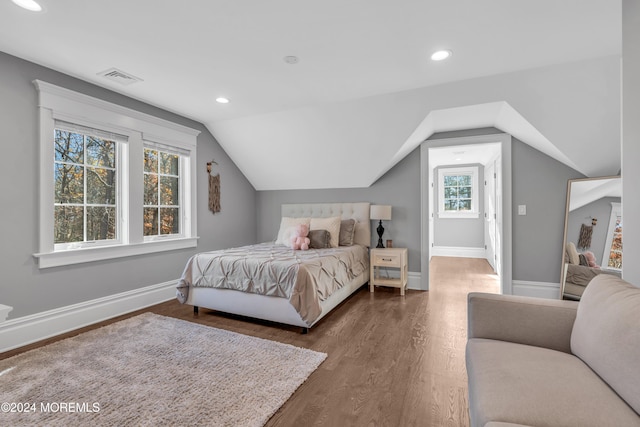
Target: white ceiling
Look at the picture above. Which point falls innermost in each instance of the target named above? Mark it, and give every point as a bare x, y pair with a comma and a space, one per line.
355, 58
464, 155
586, 191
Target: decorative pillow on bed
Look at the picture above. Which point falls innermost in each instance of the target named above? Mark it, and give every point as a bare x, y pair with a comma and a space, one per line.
347, 231
320, 239
286, 223
572, 253
331, 224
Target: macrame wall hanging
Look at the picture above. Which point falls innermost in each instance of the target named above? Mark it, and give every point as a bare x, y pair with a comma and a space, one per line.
584, 241
214, 189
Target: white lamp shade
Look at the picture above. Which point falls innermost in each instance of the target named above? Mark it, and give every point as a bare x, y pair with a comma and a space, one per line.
382, 212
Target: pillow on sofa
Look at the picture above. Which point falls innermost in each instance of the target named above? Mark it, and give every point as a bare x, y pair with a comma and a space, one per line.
606, 336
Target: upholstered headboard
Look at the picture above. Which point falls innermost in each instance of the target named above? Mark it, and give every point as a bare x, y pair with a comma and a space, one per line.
358, 211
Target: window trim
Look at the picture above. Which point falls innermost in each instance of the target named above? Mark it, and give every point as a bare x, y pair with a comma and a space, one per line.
183, 168
57, 103
467, 170
616, 211
121, 151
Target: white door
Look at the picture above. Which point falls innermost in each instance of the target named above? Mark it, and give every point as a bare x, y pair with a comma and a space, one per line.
490, 213
498, 211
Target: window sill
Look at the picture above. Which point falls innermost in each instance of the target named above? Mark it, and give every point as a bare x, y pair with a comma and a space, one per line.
78, 256
459, 215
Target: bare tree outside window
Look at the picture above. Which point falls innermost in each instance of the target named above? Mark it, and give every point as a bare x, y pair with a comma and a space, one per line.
457, 192
161, 193
615, 253
85, 188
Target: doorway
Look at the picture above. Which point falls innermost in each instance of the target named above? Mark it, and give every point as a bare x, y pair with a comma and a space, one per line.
481, 232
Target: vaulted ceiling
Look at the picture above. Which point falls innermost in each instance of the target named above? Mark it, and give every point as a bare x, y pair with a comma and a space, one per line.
364, 92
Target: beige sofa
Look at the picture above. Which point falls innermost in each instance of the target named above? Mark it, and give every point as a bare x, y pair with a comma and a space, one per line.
537, 362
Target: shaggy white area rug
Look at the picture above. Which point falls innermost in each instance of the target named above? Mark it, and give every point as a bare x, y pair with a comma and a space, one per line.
152, 370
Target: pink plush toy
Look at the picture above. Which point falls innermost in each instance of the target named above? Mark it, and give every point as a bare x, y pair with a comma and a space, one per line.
299, 239
591, 259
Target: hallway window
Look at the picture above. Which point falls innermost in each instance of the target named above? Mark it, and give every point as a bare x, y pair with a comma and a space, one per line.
458, 192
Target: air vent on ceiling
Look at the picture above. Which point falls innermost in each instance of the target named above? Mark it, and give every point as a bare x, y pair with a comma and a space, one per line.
121, 77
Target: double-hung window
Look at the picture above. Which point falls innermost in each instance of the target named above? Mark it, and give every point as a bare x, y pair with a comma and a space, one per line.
458, 192
86, 193
162, 193
114, 182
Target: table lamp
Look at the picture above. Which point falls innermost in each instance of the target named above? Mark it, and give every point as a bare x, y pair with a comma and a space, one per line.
380, 212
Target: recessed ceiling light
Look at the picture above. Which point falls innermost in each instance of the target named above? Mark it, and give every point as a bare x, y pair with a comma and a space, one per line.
28, 4
222, 100
291, 59
440, 55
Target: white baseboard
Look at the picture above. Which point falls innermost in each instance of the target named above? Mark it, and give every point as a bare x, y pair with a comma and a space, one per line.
536, 289
4, 312
414, 281
459, 252
25, 330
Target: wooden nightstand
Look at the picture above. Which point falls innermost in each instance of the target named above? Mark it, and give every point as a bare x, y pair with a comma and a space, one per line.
389, 258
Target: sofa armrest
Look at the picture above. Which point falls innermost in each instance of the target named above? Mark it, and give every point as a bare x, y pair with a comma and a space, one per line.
523, 320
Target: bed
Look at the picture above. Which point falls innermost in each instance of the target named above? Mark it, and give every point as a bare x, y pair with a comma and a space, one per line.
270, 281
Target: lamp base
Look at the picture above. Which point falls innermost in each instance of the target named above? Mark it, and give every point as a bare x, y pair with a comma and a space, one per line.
380, 231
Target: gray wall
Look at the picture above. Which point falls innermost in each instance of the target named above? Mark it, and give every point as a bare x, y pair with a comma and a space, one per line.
600, 209
631, 139
540, 183
459, 232
31, 290
399, 187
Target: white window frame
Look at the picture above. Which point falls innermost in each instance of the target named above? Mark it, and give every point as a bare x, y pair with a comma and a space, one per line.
183, 196
121, 152
616, 211
467, 170
57, 103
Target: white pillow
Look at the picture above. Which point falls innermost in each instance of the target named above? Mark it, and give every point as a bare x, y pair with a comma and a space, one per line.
572, 252
287, 222
332, 225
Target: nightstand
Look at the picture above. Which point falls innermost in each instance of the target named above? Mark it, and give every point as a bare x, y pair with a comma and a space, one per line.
395, 258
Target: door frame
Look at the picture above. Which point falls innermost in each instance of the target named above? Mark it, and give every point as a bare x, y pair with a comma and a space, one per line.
426, 225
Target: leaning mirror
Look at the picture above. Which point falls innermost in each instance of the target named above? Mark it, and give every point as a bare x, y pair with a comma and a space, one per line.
592, 233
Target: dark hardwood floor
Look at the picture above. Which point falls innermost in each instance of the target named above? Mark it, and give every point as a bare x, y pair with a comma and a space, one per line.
393, 361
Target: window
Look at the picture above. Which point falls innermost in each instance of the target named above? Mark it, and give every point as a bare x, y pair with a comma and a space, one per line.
114, 182
612, 258
458, 192
85, 186
161, 193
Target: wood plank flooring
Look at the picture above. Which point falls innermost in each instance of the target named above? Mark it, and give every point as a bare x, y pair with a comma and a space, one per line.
393, 361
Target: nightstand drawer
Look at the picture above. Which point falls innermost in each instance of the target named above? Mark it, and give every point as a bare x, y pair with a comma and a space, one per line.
387, 260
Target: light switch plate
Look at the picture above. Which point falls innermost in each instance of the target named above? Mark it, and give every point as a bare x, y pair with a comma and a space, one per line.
522, 209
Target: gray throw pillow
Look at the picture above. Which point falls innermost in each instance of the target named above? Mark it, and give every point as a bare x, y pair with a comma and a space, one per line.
347, 231
320, 239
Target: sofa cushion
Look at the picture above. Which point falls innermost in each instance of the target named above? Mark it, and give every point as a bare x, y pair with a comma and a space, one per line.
606, 334
521, 384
